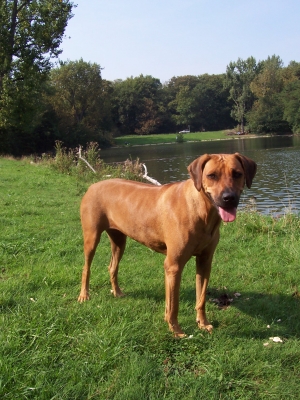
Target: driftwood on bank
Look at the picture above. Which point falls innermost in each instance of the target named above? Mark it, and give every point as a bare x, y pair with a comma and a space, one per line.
83, 159
145, 176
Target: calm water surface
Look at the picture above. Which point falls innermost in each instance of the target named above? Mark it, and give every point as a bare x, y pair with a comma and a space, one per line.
276, 187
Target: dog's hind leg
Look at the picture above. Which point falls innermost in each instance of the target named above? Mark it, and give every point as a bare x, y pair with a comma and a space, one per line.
118, 243
91, 241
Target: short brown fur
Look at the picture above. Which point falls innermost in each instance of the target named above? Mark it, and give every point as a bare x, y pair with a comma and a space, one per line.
180, 220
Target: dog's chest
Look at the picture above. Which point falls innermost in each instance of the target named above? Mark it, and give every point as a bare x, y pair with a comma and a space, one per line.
205, 239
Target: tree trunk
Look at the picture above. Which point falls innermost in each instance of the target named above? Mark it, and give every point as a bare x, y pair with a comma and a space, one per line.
242, 126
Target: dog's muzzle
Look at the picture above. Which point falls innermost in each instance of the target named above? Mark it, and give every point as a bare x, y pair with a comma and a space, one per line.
227, 205
229, 199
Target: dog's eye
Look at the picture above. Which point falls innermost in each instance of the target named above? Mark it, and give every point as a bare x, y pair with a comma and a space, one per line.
236, 174
213, 177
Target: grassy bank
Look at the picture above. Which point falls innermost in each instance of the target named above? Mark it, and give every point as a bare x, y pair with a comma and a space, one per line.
136, 140
55, 348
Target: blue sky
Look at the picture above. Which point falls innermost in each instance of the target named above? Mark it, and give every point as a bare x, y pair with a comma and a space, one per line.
166, 38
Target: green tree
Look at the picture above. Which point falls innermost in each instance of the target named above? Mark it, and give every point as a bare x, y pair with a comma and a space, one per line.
269, 80
178, 100
238, 78
291, 73
266, 114
291, 96
31, 32
136, 105
291, 101
183, 104
22, 111
203, 105
177, 82
81, 101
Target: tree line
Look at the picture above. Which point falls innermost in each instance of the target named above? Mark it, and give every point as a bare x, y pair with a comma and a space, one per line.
42, 102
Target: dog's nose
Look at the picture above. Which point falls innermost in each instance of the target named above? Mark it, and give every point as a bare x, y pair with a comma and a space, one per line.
229, 198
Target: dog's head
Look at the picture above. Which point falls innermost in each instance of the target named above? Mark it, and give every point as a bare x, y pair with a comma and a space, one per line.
222, 177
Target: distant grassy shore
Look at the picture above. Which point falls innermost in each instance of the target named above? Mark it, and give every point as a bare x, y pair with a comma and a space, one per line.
52, 347
139, 140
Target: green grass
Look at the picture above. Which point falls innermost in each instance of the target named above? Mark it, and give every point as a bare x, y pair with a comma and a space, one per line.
135, 140
52, 347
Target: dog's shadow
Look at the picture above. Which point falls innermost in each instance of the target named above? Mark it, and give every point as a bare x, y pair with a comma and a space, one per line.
278, 314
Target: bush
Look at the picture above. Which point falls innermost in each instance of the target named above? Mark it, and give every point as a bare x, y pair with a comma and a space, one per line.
179, 138
87, 164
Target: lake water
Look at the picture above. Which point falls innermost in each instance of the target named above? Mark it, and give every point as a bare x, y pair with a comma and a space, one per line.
276, 187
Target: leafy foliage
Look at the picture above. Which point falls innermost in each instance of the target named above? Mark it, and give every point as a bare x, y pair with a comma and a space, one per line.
202, 104
85, 163
31, 32
136, 104
267, 112
239, 76
291, 96
81, 103
291, 101
71, 103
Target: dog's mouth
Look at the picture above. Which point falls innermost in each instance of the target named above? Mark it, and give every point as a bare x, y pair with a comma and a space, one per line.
227, 211
227, 214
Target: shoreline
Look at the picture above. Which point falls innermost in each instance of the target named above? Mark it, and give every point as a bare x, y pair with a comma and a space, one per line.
236, 137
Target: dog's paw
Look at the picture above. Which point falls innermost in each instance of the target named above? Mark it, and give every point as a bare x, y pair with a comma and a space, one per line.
179, 335
117, 293
177, 331
83, 297
206, 327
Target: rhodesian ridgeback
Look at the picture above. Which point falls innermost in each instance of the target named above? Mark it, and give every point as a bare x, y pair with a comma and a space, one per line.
179, 219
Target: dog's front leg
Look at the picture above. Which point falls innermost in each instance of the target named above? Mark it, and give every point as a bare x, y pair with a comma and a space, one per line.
172, 283
203, 268
84, 292
118, 243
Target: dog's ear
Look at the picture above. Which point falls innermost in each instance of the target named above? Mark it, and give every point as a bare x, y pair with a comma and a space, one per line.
249, 167
196, 168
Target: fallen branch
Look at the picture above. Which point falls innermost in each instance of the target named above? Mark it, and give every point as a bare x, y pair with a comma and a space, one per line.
87, 163
145, 176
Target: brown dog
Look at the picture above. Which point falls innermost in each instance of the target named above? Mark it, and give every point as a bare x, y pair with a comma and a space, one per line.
180, 220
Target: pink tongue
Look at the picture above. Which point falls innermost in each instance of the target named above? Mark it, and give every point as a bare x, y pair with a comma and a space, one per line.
227, 215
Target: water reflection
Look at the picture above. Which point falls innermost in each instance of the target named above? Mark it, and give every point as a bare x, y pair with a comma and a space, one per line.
275, 189
276, 186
